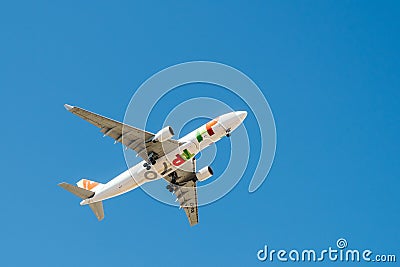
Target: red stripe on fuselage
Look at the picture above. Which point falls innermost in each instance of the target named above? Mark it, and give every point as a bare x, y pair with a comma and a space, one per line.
208, 127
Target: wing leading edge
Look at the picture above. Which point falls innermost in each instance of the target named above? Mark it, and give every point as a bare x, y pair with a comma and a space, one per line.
133, 138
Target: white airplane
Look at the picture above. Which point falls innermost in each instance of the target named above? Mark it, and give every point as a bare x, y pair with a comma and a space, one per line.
163, 157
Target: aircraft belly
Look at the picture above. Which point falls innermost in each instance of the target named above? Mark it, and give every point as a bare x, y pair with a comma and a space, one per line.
139, 175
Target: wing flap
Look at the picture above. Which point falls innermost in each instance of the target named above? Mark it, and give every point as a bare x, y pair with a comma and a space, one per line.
187, 197
185, 191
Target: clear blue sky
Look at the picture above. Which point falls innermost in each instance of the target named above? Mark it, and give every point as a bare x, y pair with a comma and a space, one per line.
329, 69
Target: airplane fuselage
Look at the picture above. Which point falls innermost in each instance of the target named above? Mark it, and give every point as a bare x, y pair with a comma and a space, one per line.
191, 144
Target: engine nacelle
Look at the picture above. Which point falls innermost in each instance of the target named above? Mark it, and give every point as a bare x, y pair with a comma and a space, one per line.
204, 173
164, 134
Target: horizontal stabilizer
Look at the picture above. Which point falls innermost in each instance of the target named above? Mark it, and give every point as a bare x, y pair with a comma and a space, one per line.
77, 191
97, 209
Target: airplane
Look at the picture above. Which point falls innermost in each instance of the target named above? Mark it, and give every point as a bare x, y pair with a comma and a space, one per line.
163, 157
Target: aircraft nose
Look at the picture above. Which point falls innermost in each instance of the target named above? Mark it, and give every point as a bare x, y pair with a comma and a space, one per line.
241, 115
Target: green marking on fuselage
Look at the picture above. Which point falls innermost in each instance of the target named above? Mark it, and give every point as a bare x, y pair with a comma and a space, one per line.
186, 154
199, 137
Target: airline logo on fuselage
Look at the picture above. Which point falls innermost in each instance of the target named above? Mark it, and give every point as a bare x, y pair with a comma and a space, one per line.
182, 158
209, 130
186, 155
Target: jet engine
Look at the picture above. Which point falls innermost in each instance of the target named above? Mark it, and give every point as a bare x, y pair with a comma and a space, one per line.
204, 173
164, 134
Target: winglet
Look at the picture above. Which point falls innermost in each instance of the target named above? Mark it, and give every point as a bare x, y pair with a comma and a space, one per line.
68, 107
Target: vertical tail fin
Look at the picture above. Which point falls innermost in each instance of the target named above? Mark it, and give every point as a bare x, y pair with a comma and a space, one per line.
89, 185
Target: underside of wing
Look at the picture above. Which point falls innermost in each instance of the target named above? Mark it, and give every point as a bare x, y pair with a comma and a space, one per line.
183, 185
187, 196
133, 138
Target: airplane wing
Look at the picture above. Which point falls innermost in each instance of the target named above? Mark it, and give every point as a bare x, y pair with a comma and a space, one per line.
133, 138
184, 187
